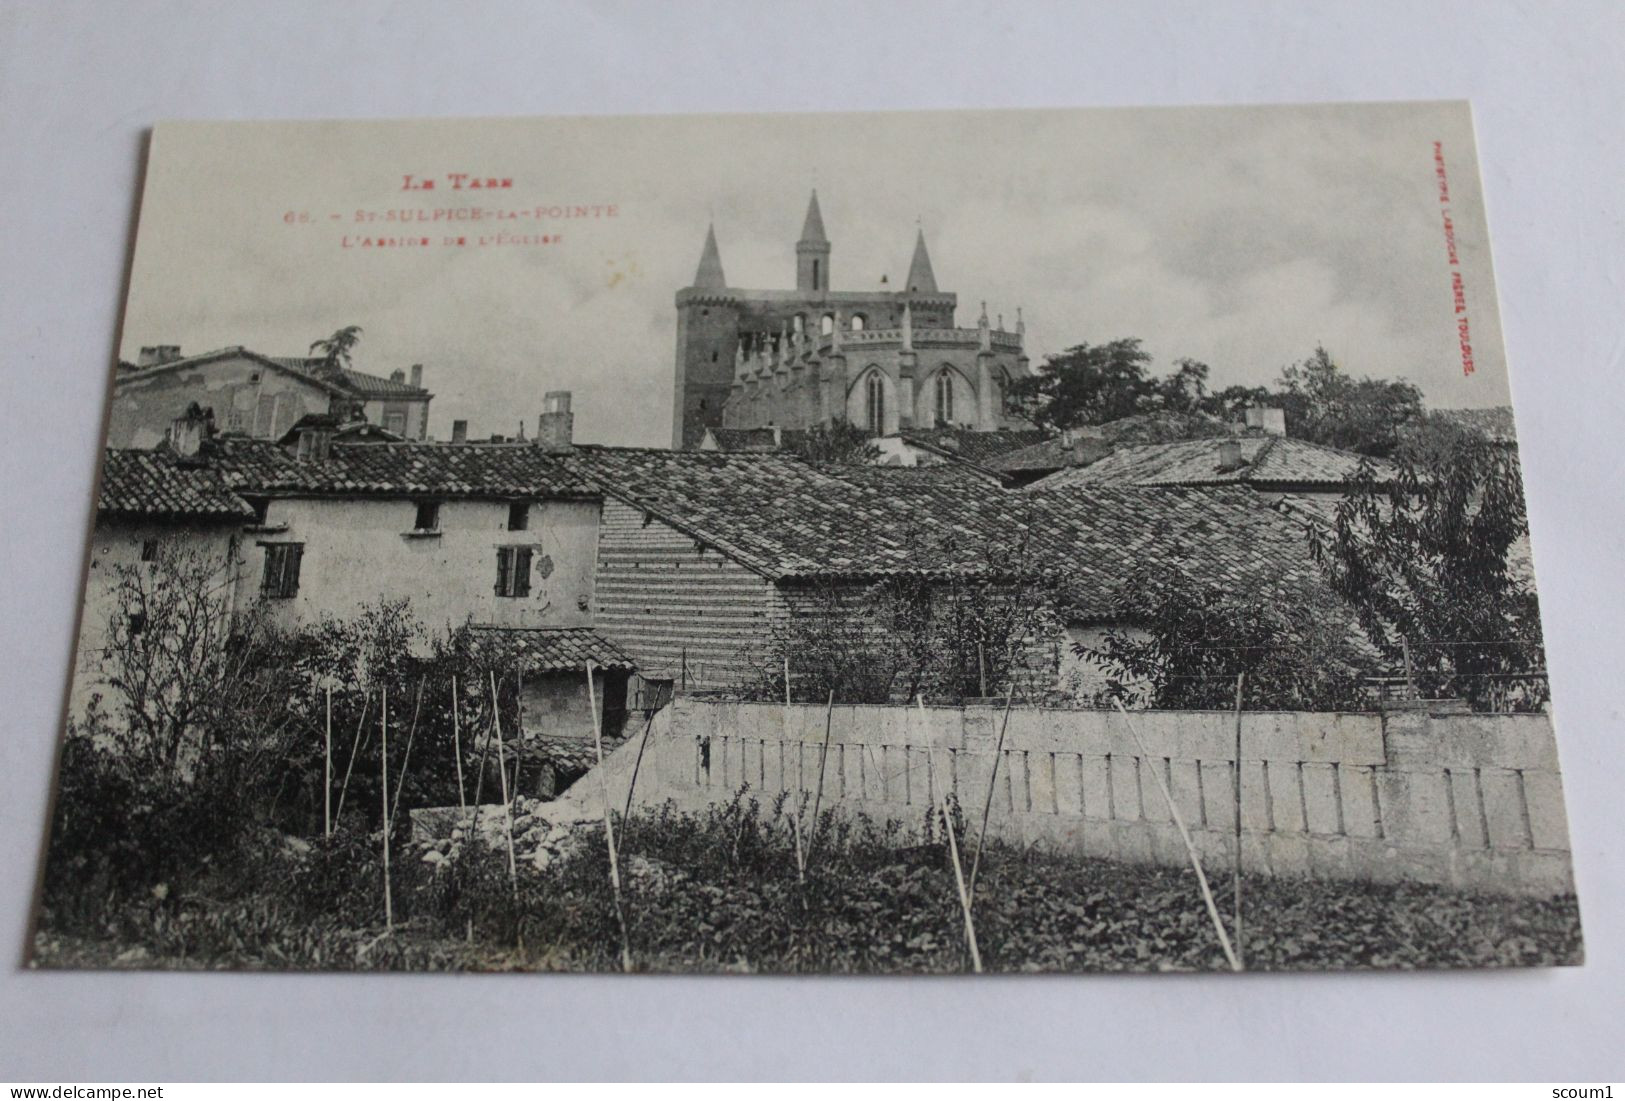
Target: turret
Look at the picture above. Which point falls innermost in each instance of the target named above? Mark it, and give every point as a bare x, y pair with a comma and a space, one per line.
812, 251
709, 274
921, 280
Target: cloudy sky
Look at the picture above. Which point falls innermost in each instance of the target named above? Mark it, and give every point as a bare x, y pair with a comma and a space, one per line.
1238, 236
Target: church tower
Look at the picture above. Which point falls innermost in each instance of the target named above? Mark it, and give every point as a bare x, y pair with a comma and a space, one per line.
812, 251
707, 345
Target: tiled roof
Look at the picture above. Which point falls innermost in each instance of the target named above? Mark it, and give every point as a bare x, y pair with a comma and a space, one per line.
788, 519
397, 469
1224, 536
346, 431
372, 386
359, 383
236, 351
1054, 453
553, 649
1266, 461
785, 517
155, 483
973, 446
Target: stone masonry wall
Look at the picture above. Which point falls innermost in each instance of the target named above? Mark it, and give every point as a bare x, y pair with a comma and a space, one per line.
1471, 801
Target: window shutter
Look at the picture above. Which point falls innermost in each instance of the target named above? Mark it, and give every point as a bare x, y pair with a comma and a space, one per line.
504, 567
296, 553
273, 571
521, 571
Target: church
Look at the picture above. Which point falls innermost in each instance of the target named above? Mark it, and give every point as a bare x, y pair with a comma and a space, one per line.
887, 360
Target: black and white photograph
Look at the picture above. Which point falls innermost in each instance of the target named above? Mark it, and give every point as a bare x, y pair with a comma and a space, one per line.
929, 542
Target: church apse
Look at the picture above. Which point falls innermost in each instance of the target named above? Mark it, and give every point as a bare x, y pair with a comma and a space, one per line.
887, 359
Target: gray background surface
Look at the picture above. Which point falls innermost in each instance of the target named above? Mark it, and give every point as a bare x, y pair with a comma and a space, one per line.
79, 82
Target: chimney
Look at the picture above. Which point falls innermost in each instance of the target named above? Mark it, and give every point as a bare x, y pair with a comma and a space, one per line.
1268, 419
397, 375
315, 442
156, 355
417, 376
555, 428
459, 431
1229, 456
1084, 444
188, 431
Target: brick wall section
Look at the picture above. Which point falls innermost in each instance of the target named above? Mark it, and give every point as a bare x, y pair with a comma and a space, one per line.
1470, 801
658, 594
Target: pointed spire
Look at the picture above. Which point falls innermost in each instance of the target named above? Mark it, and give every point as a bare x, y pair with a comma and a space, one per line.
709, 275
812, 230
1021, 326
921, 280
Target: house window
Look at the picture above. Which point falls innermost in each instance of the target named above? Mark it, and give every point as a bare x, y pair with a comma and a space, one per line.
875, 404
281, 579
262, 509
428, 518
136, 622
396, 423
513, 571
518, 515
149, 550
945, 397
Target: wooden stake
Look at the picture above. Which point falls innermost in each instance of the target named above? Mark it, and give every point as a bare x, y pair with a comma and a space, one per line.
795, 804
1240, 949
406, 757
479, 787
948, 828
992, 778
823, 756
636, 765
1190, 847
383, 798
360, 725
609, 827
502, 770
519, 718
327, 772
457, 746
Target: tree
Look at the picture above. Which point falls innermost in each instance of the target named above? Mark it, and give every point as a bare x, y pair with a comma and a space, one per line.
1185, 390
840, 442
1087, 384
1230, 403
949, 634
335, 350
1428, 564
1189, 641
1325, 405
189, 680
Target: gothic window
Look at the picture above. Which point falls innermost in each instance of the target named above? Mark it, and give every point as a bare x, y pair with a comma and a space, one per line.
816, 284
798, 324
827, 325
945, 397
858, 321
875, 404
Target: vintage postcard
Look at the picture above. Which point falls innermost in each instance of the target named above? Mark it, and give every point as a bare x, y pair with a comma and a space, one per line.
921, 542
